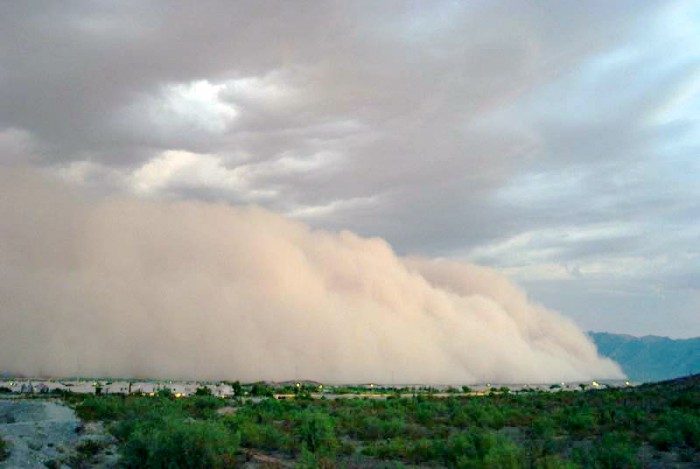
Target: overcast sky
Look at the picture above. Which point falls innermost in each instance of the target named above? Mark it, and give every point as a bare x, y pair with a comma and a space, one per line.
557, 141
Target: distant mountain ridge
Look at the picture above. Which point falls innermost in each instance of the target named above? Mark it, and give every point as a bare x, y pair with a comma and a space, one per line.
650, 358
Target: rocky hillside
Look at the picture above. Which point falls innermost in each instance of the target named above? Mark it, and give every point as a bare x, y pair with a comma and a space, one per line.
650, 358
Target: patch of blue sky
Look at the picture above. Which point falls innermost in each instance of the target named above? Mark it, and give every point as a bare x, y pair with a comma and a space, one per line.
542, 188
653, 71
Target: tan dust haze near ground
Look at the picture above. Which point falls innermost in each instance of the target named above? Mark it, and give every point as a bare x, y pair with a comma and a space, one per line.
138, 288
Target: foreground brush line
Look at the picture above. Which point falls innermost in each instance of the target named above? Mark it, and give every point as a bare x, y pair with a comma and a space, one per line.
654, 425
3, 449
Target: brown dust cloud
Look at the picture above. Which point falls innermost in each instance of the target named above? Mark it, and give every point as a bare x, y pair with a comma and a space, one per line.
126, 287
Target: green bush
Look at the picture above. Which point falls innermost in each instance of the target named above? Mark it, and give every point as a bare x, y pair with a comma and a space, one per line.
472, 448
99, 408
542, 442
663, 439
263, 436
315, 431
615, 450
202, 406
202, 391
689, 426
237, 388
397, 448
579, 421
370, 428
503, 454
176, 443
4, 450
310, 460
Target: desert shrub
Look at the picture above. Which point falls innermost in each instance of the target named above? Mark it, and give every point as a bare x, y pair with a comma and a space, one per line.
614, 450
689, 426
582, 455
202, 406
481, 413
263, 436
686, 400
424, 413
90, 448
663, 439
413, 431
470, 444
514, 416
310, 460
4, 450
178, 443
100, 408
578, 420
503, 454
673, 429
541, 442
374, 428
315, 431
391, 449
471, 448
267, 410
109, 408
237, 388
422, 450
391, 427
139, 411
202, 391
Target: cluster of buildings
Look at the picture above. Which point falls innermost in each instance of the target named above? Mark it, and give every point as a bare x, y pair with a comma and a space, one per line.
224, 390
179, 389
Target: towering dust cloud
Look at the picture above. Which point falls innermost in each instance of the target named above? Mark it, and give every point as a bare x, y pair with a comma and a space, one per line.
133, 288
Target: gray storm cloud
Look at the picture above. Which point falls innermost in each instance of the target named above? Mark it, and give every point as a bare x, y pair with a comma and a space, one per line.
139, 288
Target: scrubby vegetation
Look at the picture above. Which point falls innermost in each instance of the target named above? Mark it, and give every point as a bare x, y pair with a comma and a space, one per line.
4, 451
607, 428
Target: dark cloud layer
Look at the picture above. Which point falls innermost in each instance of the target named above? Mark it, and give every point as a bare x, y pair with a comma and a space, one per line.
554, 140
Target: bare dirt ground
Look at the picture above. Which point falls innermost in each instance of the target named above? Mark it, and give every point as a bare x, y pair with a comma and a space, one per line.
45, 433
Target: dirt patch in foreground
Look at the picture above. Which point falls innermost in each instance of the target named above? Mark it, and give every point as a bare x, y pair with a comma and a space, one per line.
44, 433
